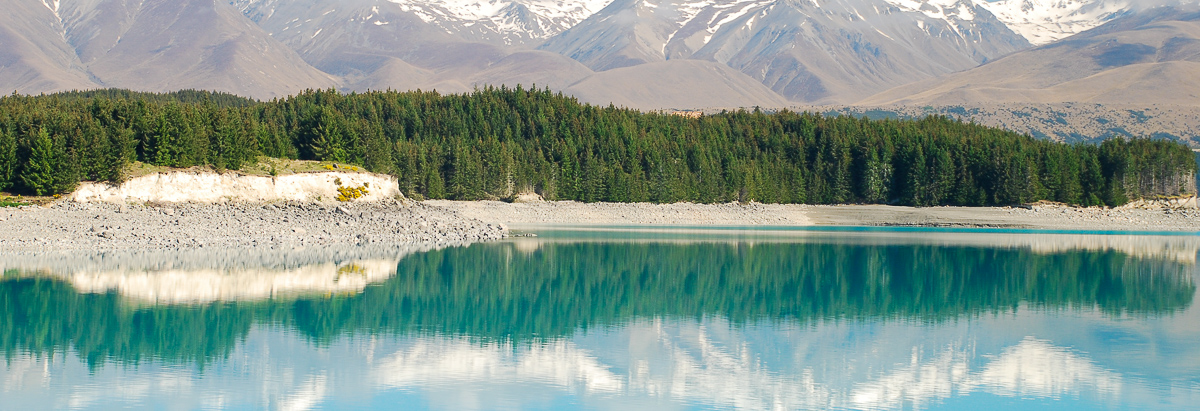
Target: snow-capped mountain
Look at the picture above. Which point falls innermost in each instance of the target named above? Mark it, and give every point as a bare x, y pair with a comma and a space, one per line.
514, 21
806, 50
507, 22
1149, 57
744, 51
688, 23
1046, 21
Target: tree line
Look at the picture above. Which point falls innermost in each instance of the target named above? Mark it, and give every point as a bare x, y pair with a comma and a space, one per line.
496, 142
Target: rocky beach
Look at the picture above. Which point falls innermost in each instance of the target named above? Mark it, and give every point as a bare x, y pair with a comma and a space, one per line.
67, 225
186, 210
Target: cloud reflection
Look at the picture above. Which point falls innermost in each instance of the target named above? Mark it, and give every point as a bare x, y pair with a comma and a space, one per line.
1031, 368
645, 364
688, 366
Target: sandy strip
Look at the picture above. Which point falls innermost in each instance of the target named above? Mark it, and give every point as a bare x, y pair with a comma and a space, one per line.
1038, 217
571, 213
532, 214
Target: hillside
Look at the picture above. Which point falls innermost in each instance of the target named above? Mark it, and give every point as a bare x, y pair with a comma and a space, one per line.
1144, 59
1067, 122
152, 45
830, 51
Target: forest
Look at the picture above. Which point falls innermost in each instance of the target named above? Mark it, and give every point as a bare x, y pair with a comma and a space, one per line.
494, 143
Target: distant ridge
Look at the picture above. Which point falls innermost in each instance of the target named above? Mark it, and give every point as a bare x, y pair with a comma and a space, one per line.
1147, 58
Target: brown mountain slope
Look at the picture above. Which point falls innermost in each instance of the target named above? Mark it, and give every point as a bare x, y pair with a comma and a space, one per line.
1149, 58
34, 55
676, 84
202, 44
1069, 122
146, 45
828, 51
378, 45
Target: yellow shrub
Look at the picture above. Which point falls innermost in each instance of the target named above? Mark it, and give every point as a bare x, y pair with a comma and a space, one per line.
350, 193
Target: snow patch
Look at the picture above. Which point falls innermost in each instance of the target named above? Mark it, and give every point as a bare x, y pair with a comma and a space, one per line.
1046, 21
547, 17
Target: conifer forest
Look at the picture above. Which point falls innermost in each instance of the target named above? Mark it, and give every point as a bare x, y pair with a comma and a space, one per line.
496, 142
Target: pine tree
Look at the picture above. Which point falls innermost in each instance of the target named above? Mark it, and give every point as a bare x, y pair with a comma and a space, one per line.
37, 176
8, 159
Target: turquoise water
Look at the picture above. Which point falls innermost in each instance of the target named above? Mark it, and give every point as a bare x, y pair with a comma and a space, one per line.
617, 319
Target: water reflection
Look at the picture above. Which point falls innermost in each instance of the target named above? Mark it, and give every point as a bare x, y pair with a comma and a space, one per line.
207, 275
835, 321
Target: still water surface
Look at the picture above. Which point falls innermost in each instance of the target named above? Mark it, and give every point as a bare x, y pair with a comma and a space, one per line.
717, 319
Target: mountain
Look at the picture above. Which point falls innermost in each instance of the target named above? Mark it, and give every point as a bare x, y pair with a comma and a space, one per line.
376, 44
807, 51
1146, 58
507, 22
34, 55
1066, 122
676, 84
149, 45
830, 51
640, 53
1045, 21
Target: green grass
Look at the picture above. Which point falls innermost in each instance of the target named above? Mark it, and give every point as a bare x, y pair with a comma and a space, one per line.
11, 202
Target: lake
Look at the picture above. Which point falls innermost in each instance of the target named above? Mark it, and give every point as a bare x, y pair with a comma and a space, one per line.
616, 319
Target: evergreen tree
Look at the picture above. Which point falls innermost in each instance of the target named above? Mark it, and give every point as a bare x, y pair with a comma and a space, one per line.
492, 143
37, 175
8, 159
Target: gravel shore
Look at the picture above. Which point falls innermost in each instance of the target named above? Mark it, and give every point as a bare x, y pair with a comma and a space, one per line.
68, 225
101, 226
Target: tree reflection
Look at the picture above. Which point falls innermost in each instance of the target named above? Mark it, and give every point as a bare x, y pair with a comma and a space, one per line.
500, 291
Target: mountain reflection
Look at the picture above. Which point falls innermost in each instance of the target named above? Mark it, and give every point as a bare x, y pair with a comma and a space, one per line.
515, 293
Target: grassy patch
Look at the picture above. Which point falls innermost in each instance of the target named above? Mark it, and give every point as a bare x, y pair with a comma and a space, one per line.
269, 166
265, 166
6, 201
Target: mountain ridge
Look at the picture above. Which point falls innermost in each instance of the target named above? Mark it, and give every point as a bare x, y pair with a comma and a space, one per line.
801, 51
1148, 57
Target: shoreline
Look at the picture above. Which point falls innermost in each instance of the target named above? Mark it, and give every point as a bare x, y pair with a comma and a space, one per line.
534, 214
68, 225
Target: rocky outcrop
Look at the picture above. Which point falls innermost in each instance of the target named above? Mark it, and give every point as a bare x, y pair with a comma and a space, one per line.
209, 187
1162, 204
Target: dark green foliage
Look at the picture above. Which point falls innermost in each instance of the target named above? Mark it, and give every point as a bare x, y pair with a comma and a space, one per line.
38, 172
494, 143
8, 159
47, 316
181, 96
